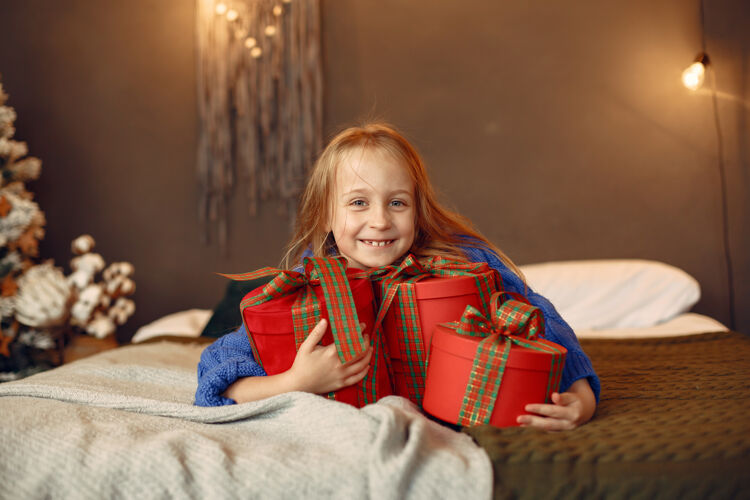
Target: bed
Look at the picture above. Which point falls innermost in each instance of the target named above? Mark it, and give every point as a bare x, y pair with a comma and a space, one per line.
673, 422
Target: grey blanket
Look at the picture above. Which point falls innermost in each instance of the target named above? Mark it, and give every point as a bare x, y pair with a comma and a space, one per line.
122, 424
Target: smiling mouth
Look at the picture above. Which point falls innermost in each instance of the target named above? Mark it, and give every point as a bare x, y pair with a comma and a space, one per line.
377, 243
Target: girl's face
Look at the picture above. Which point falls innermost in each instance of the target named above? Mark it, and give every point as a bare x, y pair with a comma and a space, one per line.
373, 217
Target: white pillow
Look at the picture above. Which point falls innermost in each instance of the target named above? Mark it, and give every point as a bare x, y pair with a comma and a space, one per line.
681, 325
601, 294
188, 323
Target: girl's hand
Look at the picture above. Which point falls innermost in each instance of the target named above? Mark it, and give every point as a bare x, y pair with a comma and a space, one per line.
317, 368
568, 411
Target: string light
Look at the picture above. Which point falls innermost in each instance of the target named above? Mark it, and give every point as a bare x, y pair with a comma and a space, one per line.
695, 74
241, 33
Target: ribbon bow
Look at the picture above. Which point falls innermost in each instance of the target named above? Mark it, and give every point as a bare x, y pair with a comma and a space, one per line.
511, 322
330, 273
512, 317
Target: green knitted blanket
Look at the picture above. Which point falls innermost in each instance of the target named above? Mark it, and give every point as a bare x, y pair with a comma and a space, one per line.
673, 422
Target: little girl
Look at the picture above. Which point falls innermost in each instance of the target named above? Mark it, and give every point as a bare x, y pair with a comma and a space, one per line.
369, 200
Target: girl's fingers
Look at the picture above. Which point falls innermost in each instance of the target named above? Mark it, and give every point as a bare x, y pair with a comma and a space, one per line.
554, 411
315, 336
359, 357
547, 424
362, 360
356, 377
564, 399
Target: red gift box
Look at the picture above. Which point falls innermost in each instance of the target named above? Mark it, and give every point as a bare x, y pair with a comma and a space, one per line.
414, 298
275, 334
438, 300
468, 384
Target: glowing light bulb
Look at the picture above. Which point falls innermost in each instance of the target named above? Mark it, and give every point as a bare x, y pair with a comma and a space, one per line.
232, 15
278, 10
270, 30
694, 74
256, 52
250, 42
221, 8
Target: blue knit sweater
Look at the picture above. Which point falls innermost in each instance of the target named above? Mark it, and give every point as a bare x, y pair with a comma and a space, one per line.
230, 357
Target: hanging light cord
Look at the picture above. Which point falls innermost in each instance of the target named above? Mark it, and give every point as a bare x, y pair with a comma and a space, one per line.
722, 178
724, 207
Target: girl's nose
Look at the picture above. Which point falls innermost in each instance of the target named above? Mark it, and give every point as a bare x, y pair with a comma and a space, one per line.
380, 218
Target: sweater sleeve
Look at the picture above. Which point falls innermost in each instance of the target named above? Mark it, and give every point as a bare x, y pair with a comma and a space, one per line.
222, 363
577, 364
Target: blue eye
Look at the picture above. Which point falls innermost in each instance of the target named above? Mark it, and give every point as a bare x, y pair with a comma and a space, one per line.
358, 203
397, 203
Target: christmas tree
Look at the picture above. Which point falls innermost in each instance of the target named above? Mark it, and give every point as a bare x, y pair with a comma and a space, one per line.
41, 308
21, 228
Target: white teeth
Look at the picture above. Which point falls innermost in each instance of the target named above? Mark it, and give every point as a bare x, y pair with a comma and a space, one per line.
373, 243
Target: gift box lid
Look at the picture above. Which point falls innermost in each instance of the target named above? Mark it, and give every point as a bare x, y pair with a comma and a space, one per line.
450, 286
446, 339
275, 316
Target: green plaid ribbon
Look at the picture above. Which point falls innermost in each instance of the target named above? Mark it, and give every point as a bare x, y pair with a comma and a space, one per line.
512, 322
330, 273
395, 285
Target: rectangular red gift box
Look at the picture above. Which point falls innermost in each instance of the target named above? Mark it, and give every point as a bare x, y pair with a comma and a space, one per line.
271, 330
530, 376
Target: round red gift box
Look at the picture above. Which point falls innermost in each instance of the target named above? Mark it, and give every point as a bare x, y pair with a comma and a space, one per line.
271, 326
439, 300
525, 380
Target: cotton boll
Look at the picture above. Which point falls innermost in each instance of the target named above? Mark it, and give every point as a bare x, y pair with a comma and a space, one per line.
105, 301
85, 268
43, 297
128, 287
83, 244
121, 310
88, 300
117, 279
101, 326
118, 269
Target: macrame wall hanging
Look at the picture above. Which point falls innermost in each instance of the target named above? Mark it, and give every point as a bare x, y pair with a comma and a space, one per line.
260, 99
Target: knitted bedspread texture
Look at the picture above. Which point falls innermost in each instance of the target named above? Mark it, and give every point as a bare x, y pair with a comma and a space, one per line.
122, 424
673, 422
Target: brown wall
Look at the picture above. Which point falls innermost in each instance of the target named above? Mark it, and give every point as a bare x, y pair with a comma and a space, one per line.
561, 129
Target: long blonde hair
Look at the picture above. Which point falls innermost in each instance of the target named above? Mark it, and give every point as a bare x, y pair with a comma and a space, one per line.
439, 231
